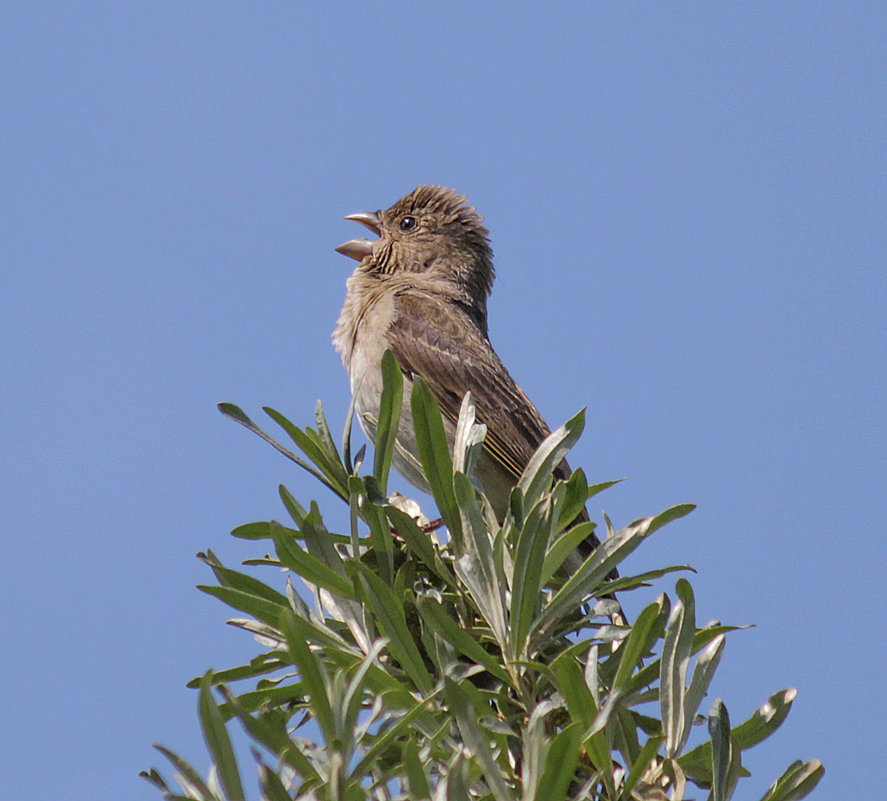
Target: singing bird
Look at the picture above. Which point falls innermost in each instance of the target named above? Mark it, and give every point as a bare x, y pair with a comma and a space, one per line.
421, 291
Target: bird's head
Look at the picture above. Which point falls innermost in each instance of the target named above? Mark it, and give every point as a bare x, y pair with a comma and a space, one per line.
432, 231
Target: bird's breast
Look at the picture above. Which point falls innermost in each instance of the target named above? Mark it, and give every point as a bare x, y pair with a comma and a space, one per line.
366, 315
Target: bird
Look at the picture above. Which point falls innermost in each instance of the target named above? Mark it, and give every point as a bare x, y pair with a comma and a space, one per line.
420, 290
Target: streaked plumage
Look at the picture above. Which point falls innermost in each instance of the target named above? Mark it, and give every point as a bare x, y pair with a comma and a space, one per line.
421, 291
423, 294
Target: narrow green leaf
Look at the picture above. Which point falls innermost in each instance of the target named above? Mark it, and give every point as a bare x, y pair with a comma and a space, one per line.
312, 445
592, 671
639, 767
765, 720
455, 780
414, 710
359, 456
529, 556
434, 453
725, 758
675, 660
311, 672
390, 617
273, 696
323, 431
466, 718
468, 442
383, 543
259, 608
651, 672
670, 514
270, 730
516, 507
599, 750
389, 417
644, 579
590, 575
635, 646
373, 491
703, 672
356, 488
719, 730
571, 682
420, 544
259, 666
476, 534
538, 472
625, 734
595, 489
563, 547
575, 495
237, 414
272, 787
561, 762
241, 581
475, 566
436, 618
536, 744
309, 567
188, 773
346, 432
319, 542
417, 782
295, 510
218, 742
252, 531
153, 777
798, 781
352, 698
329, 455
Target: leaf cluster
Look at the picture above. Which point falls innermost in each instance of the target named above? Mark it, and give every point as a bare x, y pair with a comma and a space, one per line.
471, 667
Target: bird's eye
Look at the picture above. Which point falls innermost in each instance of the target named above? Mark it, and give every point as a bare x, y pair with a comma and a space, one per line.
407, 223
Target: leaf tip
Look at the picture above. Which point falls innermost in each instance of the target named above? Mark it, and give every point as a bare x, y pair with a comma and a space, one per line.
234, 412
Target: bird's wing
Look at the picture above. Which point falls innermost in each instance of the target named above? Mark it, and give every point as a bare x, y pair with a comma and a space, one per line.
435, 339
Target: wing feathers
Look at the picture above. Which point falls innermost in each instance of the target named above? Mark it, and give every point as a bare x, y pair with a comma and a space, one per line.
434, 338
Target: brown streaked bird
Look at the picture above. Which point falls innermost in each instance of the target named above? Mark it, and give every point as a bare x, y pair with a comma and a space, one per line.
421, 291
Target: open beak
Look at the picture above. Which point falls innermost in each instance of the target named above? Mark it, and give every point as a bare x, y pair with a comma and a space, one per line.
359, 249
368, 218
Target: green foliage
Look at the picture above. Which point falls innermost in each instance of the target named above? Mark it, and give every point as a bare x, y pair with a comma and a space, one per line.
469, 669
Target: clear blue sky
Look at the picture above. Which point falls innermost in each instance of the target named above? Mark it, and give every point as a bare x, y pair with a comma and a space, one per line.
687, 206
